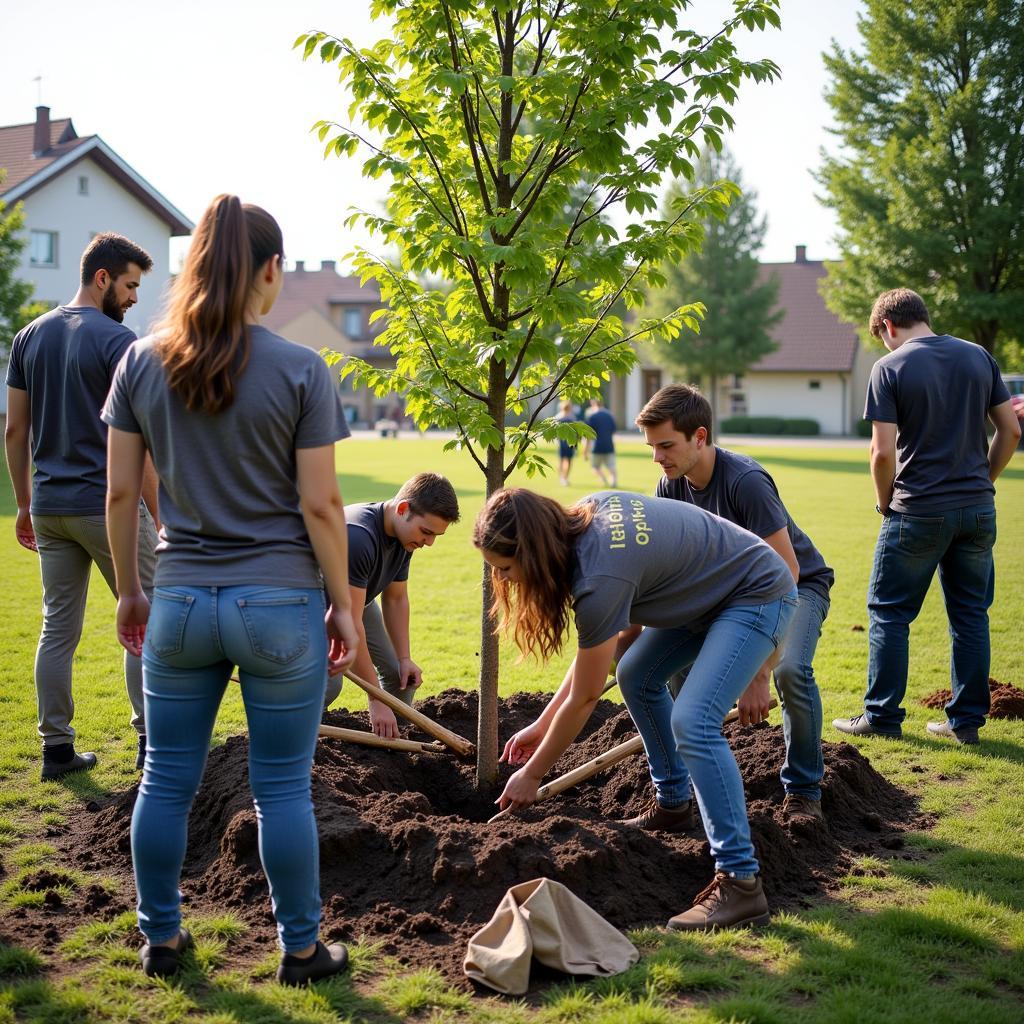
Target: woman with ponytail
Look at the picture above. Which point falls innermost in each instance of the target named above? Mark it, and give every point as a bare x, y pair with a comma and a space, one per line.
709, 595
241, 426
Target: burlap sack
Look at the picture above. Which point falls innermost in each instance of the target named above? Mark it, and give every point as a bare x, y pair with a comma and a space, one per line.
544, 919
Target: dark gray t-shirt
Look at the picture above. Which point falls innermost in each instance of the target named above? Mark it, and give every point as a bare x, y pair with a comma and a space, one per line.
65, 360
374, 559
228, 497
742, 491
938, 391
653, 562
602, 422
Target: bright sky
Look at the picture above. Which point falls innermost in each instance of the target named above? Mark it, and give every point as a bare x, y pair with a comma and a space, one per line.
199, 101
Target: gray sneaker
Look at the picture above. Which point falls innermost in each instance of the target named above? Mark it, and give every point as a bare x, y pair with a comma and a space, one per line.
945, 731
860, 726
655, 818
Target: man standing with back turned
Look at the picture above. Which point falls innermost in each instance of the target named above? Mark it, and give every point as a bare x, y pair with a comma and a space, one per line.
59, 374
933, 470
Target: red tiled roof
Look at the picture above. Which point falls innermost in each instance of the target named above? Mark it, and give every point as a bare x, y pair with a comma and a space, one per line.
16, 143
810, 336
319, 290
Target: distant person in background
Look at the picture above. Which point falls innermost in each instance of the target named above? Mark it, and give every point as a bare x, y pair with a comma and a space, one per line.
59, 374
934, 471
566, 451
601, 448
241, 425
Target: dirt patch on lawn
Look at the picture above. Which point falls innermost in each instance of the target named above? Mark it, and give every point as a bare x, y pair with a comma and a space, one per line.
1007, 700
408, 859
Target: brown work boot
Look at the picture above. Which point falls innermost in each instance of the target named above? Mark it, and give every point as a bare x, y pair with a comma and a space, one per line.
725, 903
655, 818
802, 808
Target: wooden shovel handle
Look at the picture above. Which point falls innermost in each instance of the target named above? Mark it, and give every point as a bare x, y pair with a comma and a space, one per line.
369, 739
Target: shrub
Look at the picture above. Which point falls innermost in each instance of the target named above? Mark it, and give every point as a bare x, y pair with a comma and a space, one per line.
863, 428
803, 427
768, 425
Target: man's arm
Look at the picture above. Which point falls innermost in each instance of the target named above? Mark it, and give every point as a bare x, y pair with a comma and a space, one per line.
883, 461
1004, 440
19, 463
382, 718
394, 606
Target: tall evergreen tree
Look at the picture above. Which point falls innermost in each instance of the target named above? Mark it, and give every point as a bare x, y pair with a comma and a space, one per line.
723, 275
929, 185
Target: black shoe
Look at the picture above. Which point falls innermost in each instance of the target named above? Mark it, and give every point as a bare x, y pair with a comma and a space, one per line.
860, 726
163, 961
945, 731
140, 757
322, 963
61, 760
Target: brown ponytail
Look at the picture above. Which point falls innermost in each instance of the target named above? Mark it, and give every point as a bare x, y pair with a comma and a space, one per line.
204, 342
539, 534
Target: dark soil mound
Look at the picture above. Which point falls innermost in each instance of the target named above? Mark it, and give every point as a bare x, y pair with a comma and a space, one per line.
407, 857
1007, 700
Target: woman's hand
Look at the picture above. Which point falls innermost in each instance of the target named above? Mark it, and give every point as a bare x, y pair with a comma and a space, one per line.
521, 746
344, 640
520, 791
756, 700
382, 720
132, 616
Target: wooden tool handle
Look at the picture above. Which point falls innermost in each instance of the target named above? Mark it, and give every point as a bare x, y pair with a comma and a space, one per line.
369, 739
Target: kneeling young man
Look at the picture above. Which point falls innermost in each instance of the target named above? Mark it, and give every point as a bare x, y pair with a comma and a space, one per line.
677, 425
382, 535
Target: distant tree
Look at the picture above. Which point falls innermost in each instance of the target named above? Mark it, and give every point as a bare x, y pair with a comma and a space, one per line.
928, 186
723, 275
16, 307
489, 118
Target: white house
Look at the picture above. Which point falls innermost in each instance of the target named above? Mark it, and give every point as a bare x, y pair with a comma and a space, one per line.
72, 188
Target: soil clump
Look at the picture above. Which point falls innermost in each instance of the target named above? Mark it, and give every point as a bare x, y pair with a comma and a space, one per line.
408, 860
1007, 700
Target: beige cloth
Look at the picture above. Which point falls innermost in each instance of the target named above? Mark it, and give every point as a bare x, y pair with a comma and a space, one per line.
545, 920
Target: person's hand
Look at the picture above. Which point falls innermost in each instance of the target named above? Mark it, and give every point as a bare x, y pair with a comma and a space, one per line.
755, 703
382, 720
409, 673
23, 531
520, 791
1017, 404
343, 640
521, 746
132, 616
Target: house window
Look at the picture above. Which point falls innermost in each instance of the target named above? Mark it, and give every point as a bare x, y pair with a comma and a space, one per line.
353, 323
814, 385
83, 185
43, 248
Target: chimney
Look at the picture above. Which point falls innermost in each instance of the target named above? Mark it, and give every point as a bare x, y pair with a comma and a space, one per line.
41, 136
327, 265
801, 254
300, 266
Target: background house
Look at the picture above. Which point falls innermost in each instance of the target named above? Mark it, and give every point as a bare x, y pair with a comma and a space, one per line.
73, 187
322, 309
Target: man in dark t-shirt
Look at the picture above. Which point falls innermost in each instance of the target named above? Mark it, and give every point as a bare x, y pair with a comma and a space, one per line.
601, 448
933, 470
382, 535
60, 371
677, 425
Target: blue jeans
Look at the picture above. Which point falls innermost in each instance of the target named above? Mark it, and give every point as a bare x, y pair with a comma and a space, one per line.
687, 733
958, 543
195, 636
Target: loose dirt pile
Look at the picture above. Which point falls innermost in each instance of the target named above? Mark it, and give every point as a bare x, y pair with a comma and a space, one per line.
407, 858
1007, 700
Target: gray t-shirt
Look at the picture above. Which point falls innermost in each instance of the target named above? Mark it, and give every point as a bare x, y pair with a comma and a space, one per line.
374, 559
653, 562
65, 360
228, 496
742, 491
938, 391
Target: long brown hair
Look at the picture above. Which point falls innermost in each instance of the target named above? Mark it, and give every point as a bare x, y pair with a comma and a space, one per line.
204, 343
539, 534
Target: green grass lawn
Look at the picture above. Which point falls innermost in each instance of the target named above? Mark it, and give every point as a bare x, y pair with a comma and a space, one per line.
936, 939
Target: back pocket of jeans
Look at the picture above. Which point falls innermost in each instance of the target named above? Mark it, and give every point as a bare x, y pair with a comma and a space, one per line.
919, 535
278, 627
985, 534
165, 631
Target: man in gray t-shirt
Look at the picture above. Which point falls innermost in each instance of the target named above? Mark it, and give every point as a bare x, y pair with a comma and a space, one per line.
382, 536
60, 370
933, 470
677, 426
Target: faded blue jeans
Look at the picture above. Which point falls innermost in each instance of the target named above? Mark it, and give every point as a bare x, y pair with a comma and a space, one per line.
687, 733
959, 544
195, 637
